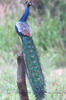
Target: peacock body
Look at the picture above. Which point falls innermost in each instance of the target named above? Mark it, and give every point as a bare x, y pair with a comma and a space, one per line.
33, 66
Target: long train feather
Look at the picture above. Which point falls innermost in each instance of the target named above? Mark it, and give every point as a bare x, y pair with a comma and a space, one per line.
33, 67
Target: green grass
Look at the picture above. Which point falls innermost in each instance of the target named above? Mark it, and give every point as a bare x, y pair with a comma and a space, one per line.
55, 84
8, 84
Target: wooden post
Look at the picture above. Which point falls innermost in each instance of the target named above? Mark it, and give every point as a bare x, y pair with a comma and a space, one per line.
21, 78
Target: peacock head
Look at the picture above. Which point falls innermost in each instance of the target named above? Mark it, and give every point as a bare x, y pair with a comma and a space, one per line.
29, 3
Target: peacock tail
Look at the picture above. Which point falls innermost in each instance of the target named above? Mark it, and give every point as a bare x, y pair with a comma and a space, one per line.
33, 67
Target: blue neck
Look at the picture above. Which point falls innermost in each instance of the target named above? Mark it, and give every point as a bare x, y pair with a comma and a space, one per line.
25, 15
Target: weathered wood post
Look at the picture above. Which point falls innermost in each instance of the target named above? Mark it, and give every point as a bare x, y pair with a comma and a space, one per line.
21, 78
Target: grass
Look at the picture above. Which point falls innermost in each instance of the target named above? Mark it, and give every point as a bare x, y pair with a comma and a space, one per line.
8, 84
55, 83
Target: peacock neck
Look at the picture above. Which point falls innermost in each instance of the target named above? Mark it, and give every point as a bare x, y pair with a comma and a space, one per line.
25, 15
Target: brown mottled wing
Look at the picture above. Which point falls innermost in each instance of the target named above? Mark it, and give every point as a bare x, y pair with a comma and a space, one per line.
24, 28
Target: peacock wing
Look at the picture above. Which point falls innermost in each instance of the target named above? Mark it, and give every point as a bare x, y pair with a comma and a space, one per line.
24, 28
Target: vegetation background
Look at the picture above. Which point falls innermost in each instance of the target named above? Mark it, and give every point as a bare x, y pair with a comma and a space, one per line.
48, 22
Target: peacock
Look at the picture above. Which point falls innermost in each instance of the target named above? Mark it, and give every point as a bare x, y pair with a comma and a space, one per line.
33, 66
